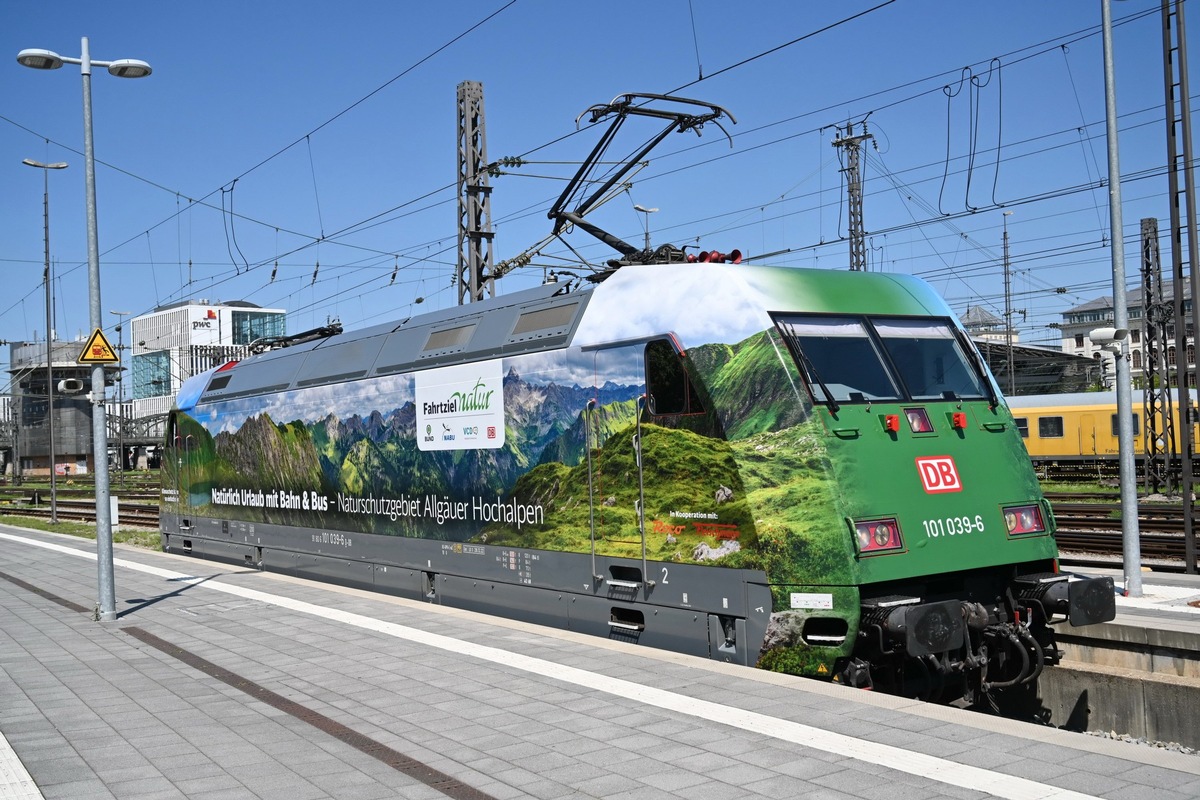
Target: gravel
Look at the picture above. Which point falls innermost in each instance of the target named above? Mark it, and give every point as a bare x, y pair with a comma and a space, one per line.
1175, 747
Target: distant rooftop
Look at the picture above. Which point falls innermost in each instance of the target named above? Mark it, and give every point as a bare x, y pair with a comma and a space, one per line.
229, 303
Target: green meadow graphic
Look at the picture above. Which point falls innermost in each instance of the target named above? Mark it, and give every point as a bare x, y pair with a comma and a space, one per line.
743, 480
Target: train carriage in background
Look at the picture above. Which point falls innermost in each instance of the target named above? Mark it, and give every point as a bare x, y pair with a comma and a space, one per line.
809, 471
1080, 428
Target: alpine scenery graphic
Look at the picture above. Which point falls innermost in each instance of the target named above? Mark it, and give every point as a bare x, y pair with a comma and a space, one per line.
736, 475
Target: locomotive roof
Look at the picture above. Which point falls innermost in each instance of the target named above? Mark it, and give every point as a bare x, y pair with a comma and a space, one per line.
699, 303
533, 319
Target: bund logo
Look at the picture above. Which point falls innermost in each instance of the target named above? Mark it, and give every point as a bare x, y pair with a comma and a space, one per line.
938, 474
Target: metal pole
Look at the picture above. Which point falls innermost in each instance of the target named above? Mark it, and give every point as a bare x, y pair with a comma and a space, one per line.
1008, 338
49, 335
1129, 519
122, 68
49, 348
121, 400
1189, 181
47, 277
121, 392
104, 551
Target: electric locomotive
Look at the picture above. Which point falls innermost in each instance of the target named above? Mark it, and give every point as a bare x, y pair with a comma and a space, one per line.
808, 471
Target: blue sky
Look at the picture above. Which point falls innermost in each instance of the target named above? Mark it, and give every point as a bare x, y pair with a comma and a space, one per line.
299, 133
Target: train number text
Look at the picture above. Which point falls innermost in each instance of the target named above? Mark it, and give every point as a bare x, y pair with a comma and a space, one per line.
953, 526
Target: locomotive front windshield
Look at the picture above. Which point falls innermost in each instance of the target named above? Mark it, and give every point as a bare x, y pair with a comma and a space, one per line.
855, 360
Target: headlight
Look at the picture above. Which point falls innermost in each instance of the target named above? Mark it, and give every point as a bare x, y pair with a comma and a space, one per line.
878, 536
1020, 520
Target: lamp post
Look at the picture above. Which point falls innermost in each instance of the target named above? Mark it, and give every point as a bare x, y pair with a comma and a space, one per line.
122, 68
1130, 533
45, 168
121, 391
646, 212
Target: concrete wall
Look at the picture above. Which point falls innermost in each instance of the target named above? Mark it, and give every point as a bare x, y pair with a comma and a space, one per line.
1091, 698
1130, 679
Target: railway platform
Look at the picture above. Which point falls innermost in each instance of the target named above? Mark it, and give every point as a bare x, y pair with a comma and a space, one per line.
218, 682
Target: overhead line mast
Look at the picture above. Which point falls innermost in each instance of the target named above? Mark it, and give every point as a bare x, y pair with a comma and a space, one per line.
851, 144
475, 276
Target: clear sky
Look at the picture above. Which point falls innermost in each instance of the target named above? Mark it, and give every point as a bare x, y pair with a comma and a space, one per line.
273, 137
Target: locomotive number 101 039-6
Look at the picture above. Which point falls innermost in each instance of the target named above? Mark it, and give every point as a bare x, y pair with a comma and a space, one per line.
953, 526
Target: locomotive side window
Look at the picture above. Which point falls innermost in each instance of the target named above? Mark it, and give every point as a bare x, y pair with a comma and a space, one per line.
1050, 427
838, 358
1022, 426
1137, 429
928, 358
668, 389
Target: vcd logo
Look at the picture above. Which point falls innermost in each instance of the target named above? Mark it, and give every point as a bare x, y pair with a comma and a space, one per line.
938, 474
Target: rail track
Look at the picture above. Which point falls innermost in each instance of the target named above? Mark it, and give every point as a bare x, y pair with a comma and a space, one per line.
129, 514
1089, 533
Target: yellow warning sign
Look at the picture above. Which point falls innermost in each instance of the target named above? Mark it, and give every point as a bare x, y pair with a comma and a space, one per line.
97, 350
822, 670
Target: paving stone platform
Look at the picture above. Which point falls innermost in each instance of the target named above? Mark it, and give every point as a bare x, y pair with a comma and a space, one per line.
218, 682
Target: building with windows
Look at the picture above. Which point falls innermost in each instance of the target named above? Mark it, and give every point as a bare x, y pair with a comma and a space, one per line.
1080, 321
983, 325
28, 416
183, 339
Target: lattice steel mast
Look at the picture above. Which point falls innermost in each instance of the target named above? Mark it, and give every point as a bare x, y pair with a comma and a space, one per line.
1179, 126
1160, 419
851, 144
475, 234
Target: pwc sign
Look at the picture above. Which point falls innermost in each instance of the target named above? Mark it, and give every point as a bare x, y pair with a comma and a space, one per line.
938, 474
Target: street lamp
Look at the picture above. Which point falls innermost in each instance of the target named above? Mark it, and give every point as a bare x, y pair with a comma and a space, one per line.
122, 68
45, 168
646, 222
1130, 533
121, 390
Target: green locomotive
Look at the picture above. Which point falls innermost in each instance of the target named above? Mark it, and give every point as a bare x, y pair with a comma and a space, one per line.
808, 471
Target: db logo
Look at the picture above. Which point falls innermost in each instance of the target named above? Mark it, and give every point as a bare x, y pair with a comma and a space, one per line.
938, 474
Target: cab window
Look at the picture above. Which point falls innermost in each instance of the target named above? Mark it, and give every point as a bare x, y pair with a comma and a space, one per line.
668, 388
1022, 426
929, 359
838, 358
867, 359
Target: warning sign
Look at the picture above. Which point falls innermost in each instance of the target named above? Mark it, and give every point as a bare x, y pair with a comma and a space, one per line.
97, 350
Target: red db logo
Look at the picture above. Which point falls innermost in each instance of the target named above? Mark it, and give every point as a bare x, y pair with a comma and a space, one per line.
938, 474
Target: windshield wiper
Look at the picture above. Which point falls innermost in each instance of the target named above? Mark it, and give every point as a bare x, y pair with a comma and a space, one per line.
816, 376
980, 367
